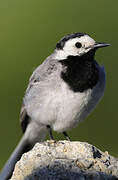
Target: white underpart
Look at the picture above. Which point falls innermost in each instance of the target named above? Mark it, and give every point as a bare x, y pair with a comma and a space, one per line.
70, 48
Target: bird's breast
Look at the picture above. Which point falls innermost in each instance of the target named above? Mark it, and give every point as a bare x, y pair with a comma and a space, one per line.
76, 106
54, 103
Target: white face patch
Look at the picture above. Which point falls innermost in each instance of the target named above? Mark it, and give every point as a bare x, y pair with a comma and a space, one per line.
70, 49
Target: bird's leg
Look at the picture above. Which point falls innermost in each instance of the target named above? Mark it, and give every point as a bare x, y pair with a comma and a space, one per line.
50, 132
66, 136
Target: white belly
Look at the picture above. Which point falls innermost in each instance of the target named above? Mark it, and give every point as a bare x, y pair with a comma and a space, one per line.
74, 108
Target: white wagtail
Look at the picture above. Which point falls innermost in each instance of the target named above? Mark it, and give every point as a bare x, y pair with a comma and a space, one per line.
62, 91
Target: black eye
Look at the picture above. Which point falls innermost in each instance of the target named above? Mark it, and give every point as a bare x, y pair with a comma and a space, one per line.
78, 45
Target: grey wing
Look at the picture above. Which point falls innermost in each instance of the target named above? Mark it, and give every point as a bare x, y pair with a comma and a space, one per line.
24, 118
40, 74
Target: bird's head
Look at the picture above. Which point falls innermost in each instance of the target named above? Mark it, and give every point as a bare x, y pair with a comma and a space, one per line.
76, 44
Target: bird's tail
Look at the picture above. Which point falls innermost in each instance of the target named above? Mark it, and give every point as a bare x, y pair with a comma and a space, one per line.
22, 147
32, 135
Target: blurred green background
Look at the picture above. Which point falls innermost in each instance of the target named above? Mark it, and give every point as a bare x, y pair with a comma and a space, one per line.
29, 31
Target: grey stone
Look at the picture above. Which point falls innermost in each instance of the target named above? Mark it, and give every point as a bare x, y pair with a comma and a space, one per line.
64, 160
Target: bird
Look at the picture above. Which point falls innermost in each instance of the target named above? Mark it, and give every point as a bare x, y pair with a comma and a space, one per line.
61, 93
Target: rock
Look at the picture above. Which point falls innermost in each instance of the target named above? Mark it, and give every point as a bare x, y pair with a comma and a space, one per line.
64, 160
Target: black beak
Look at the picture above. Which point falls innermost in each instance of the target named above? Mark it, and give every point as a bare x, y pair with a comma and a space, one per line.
100, 45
